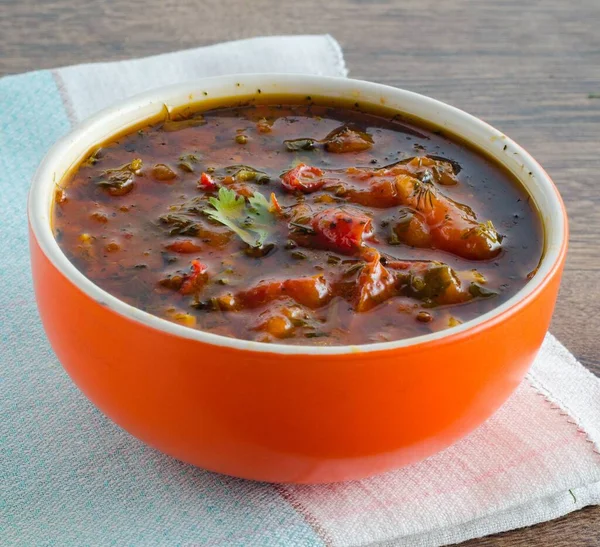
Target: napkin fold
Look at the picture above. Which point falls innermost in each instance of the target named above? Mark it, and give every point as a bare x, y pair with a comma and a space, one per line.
70, 476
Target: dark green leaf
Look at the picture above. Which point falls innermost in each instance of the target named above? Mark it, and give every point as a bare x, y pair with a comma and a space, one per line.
297, 145
477, 291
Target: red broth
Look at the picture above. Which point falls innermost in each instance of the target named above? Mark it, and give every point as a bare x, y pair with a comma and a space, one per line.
309, 224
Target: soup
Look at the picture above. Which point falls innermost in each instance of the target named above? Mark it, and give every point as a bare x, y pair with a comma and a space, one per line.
299, 222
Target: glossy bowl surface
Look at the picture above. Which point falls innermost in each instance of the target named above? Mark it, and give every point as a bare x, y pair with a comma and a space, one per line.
289, 413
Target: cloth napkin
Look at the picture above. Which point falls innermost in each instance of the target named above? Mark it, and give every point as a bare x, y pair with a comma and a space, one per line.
70, 476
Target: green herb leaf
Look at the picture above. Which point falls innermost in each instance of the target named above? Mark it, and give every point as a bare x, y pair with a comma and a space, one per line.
261, 208
120, 181
244, 173
296, 145
477, 291
251, 222
180, 224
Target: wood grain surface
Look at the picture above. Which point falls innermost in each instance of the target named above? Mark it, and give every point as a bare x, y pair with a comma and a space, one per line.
529, 67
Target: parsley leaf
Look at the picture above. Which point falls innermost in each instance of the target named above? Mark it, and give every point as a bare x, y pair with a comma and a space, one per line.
250, 221
261, 208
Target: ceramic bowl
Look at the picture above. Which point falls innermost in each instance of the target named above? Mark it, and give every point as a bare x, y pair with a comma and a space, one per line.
302, 414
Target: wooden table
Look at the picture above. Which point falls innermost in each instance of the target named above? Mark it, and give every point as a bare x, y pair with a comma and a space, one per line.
529, 67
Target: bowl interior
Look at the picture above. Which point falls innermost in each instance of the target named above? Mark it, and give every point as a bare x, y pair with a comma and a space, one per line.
70, 150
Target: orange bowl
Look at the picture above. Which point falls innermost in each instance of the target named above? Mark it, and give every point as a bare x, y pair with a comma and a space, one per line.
281, 413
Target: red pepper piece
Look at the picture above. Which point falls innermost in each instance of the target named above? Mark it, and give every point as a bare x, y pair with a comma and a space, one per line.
207, 182
304, 178
341, 230
194, 280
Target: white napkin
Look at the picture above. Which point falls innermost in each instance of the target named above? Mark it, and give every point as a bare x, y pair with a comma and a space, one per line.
536, 459
89, 88
69, 476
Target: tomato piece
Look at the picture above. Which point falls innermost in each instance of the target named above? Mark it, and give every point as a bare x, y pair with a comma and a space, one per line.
412, 230
453, 227
312, 292
242, 189
439, 222
430, 169
195, 280
207, 182
424, 168
341, 230
261, 294
277, 325
305, 178
183, 246
472, 240
346, 139
380, 193
375, 284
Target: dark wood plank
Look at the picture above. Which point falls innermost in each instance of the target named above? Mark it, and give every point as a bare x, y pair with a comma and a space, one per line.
581, 529
527, 67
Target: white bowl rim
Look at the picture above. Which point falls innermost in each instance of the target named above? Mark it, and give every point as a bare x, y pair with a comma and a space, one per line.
456, 122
